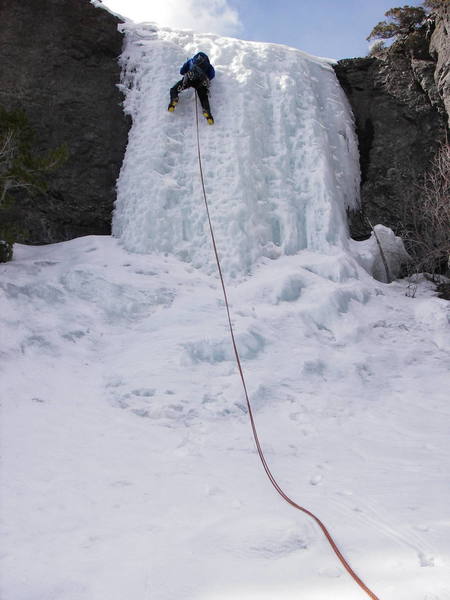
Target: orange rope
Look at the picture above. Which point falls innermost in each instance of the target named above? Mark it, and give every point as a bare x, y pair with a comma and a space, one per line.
250, 412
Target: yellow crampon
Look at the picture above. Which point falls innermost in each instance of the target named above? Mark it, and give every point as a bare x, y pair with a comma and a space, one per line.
172, 105
208, 117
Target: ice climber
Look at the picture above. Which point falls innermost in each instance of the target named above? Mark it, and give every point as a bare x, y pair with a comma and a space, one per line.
197, 73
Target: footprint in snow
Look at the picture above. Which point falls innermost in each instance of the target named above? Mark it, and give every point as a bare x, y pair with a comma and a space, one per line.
144, 392
425, 560
316, 479
279, 548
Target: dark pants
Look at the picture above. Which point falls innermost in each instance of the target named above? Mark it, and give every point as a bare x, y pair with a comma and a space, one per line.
202, 92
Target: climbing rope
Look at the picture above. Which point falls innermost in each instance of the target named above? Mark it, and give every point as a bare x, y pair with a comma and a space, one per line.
247, 399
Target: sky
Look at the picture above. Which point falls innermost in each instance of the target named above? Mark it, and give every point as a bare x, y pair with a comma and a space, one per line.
330, 28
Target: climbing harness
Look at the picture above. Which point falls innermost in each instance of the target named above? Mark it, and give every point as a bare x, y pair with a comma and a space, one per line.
250, 411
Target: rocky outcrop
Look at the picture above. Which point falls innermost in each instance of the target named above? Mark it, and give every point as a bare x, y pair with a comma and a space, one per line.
401, 121
440, 50
59, 64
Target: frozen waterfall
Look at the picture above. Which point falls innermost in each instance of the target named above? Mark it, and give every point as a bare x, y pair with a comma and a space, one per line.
281, 162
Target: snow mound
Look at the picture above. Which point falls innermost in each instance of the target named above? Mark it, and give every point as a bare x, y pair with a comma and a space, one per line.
281, 162
368, 253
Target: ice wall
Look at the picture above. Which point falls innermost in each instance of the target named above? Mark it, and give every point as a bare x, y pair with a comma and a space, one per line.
281, 161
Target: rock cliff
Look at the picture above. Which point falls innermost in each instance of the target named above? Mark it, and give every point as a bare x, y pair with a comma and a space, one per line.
440, 50
59, 64
399, 101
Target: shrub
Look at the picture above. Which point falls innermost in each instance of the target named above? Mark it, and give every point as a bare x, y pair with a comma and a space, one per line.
427, 223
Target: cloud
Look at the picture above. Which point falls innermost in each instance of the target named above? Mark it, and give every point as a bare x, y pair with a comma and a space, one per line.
207, 16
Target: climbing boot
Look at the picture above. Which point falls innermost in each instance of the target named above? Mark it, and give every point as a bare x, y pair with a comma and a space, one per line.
172, 105
208, 116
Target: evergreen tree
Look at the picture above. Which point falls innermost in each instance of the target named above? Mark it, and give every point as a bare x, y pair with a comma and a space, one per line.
21, 168
402, 21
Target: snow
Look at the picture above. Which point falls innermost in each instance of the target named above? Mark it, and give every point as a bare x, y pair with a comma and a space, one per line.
368, 254
128, 466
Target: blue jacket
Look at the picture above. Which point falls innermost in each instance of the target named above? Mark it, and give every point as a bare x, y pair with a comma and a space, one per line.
206, 66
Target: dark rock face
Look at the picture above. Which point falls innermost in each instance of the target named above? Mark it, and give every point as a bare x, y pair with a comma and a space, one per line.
59, 64
440, 50
401, 122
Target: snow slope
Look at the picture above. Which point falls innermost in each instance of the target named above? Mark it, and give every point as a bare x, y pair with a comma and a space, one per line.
128, 467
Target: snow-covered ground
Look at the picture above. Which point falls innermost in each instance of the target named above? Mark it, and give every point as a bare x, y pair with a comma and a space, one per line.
128, 467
